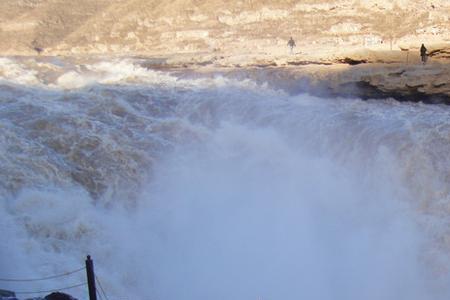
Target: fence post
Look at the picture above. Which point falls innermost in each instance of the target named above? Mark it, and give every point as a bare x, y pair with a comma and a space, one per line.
91, 278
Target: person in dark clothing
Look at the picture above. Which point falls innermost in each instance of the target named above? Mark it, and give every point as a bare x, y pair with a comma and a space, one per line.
423, 53
291, 44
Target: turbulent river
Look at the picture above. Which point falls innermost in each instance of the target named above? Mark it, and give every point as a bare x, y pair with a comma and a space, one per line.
207, 186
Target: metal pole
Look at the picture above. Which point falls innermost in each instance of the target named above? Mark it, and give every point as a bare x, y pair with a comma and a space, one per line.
91, 278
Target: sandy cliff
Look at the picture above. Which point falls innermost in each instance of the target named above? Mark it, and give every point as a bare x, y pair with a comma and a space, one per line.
227, 27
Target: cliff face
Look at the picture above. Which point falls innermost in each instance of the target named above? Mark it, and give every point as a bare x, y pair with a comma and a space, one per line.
213, 26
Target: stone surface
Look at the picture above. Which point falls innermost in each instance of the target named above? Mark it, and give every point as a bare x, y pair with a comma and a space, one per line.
7, 294
255, 27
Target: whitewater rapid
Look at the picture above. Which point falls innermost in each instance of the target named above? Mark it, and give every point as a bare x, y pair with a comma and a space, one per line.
206, 186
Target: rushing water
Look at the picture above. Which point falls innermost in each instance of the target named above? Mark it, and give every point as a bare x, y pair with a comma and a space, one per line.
208, 187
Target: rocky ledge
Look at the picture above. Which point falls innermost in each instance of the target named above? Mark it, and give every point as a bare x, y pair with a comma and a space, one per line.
415, 83
364, 74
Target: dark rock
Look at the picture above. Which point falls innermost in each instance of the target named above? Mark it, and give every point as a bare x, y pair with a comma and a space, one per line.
264, 65
308, 62
365, 90
7, 295
352, 61
440, 52
59, 296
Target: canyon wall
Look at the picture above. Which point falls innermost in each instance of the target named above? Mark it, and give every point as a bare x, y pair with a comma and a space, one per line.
154, 27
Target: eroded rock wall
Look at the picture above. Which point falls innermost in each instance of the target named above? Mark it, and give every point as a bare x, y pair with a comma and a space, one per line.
247, 26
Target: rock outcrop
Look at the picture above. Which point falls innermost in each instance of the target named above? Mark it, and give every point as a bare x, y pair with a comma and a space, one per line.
10, 295
7, 295
403, 82
59, 296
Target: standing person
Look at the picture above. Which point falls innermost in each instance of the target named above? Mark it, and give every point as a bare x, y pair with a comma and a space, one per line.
291, 44
423, 53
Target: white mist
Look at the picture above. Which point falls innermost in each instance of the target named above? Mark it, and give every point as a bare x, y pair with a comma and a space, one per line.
246, 216
261, 196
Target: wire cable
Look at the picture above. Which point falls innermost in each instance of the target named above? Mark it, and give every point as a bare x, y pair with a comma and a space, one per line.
101, 288
52, 290
99, 295
43, 278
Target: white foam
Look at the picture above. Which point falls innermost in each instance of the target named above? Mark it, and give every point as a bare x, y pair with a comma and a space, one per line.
13, 72
112, 72
73, 80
